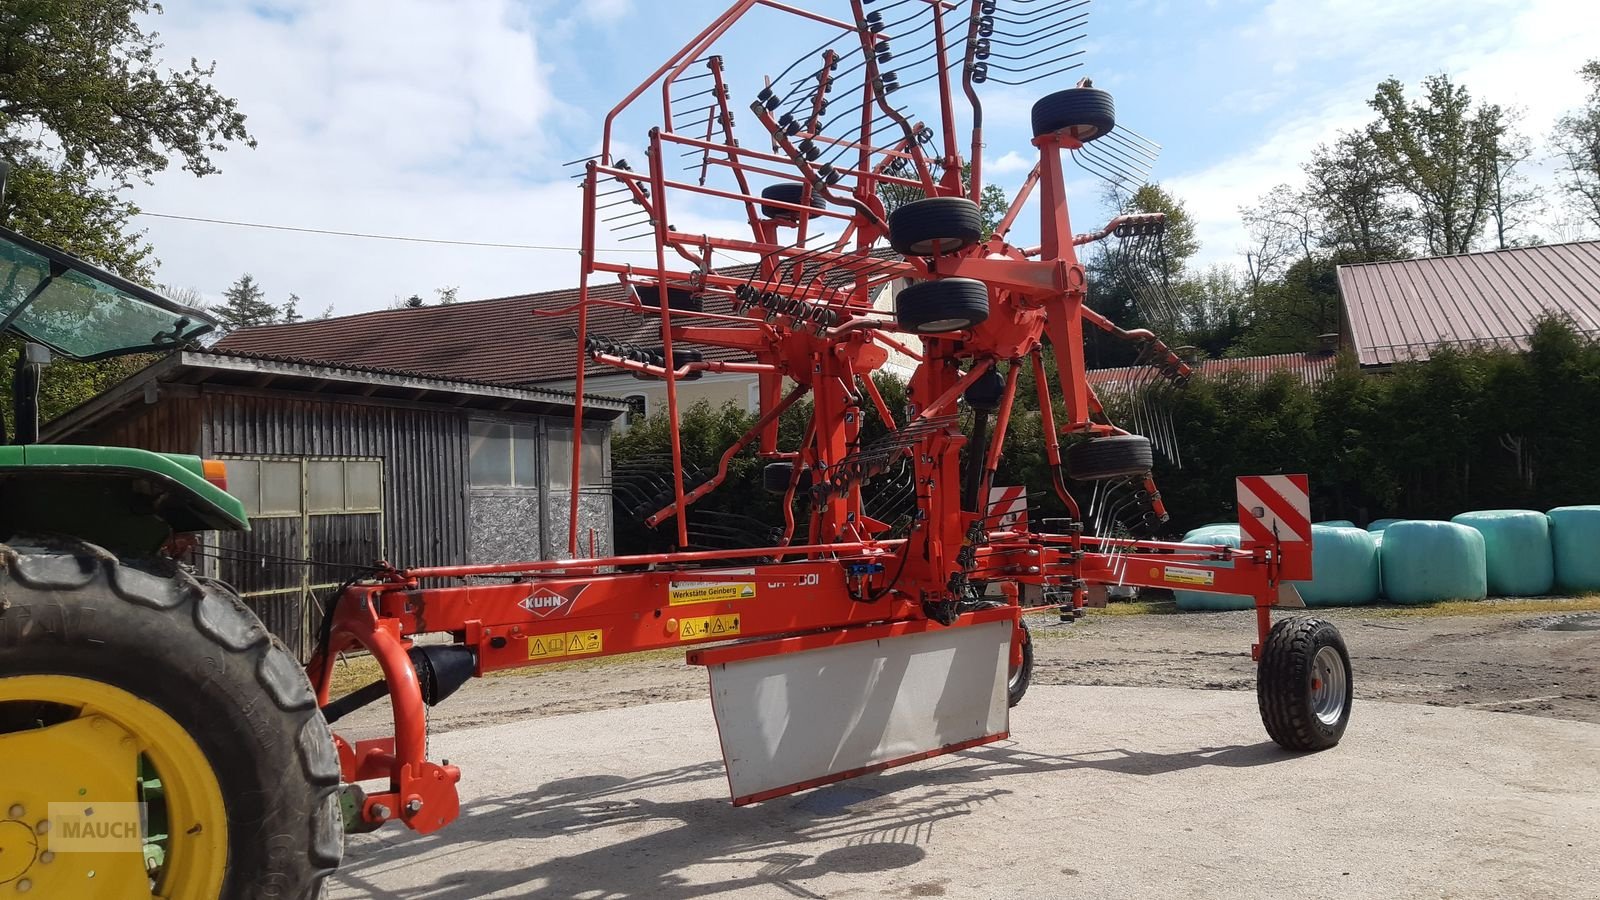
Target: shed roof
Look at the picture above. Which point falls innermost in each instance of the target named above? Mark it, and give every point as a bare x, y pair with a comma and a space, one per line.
1310, 368
216, 370
498, 341
1401, 310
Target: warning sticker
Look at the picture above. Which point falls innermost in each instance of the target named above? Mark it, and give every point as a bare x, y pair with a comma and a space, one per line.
703, 627
1181, 575
682, 593
572, 643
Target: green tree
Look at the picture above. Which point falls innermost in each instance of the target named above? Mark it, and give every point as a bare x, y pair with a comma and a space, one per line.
1291, 314
87, 106
290, 313
1516, 200
245, 304
1442, 152
1351, 193
1577, 145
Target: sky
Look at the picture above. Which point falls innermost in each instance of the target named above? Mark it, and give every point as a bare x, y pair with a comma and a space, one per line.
452, 120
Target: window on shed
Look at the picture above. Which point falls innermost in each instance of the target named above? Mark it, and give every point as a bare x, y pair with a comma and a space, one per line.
501, 454
350, 485
638, 409
594, 457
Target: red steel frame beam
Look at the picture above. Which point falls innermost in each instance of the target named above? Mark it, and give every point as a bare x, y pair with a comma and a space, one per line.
843, 584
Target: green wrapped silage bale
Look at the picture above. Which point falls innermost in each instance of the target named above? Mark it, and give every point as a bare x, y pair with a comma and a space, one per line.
1575, 537
1517, 550
1196, 601
1337, 523
1378, 526
1425, 562
1214, 526
1344, 568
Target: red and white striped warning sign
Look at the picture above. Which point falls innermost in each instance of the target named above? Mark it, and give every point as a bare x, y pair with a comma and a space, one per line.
1275, 508
1008, 509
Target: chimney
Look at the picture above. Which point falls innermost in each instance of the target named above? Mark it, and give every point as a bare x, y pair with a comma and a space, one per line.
1328, 343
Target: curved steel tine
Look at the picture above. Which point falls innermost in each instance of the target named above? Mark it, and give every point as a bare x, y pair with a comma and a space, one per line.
1038, 77
1044, 33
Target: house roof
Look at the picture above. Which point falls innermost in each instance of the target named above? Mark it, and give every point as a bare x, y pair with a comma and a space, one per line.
214, 370
1310, 368
499, 341
1401, 310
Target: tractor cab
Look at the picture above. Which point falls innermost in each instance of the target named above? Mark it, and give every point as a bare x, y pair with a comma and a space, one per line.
124, 499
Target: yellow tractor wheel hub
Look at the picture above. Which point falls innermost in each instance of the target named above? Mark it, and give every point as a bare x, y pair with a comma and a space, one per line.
64, 828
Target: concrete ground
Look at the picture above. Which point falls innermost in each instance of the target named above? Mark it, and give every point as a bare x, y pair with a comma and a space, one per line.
1102, 792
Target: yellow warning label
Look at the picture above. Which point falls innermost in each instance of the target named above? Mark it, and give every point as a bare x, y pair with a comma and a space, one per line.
1181, 575
698, 629
573, 643
684, 593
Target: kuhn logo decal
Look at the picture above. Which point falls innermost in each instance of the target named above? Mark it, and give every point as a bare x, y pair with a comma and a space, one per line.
546, 602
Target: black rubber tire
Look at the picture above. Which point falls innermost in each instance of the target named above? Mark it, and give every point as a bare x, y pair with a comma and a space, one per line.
1284, 684
677, 298
1018, 679
1116, 456
788, 192
1085, 113
940, 307
935, 225
194, 650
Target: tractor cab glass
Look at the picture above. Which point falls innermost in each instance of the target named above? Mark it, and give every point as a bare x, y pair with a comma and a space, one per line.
84, 312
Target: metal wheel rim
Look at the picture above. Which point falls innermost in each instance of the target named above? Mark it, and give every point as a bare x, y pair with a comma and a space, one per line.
1328, 684
941, 326
196, 853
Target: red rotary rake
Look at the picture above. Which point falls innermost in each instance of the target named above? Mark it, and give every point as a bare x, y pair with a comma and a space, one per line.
852, 639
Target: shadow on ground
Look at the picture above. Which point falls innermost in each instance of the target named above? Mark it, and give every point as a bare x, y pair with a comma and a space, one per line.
883, 822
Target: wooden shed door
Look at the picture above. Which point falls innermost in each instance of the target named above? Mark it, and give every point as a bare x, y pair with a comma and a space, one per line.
314, 523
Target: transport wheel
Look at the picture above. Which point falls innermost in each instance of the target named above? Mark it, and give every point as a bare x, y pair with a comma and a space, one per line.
1109, 457
1085, 113
940, 307
788, 192
935, 225
1303, 684
1021, 676
677, 298
137, 683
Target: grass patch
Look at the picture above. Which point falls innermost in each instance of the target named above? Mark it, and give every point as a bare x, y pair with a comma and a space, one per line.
1138, 608
1524, 606
351, 672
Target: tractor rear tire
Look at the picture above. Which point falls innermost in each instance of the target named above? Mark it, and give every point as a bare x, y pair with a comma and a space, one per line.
1021, 676
941, 307
788, 192
1304, 685
1116, 456
1084, 113
187, 653
935, 225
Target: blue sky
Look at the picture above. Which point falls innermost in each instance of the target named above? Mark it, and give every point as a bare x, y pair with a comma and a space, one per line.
451, 120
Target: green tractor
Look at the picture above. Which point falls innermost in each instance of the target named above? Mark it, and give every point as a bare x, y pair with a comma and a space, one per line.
157, 741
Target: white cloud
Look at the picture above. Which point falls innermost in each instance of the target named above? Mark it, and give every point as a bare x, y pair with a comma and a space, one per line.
387, 117
1013, 163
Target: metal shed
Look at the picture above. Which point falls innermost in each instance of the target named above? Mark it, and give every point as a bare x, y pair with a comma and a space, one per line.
342, 466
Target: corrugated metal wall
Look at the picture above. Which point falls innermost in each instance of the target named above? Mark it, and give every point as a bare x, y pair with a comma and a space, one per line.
423, 449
